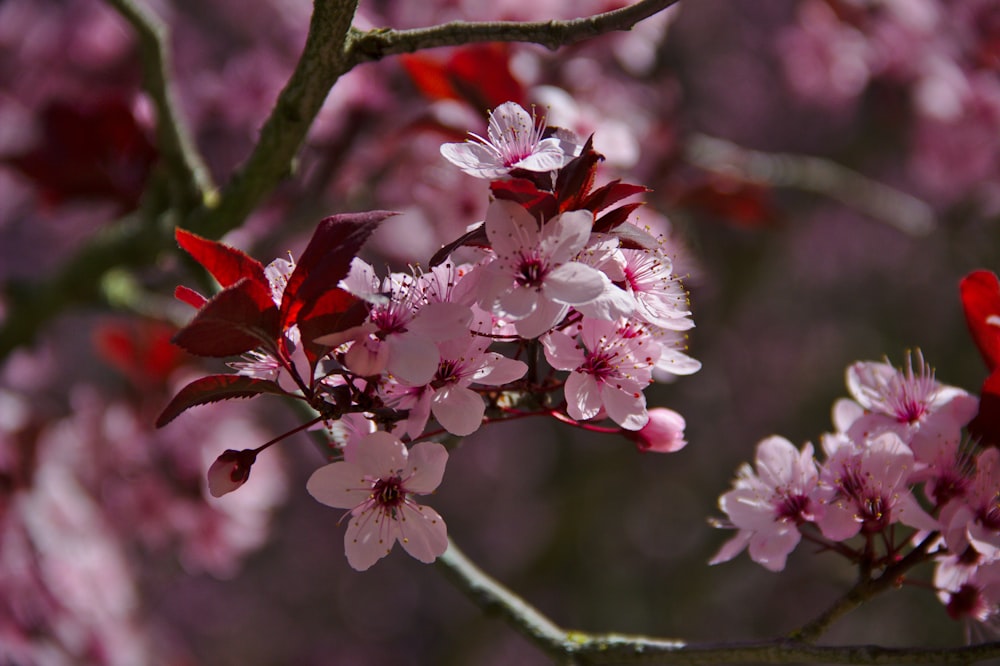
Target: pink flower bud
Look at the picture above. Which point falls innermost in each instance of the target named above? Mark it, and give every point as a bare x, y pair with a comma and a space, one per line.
664, 433
230, 471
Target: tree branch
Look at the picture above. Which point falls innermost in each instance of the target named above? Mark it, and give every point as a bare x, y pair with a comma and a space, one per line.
376, 44
578, 648
814, 174
322, 63
191, 184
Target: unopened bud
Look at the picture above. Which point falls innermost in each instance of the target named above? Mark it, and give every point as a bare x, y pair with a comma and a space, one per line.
230, 471
664, 433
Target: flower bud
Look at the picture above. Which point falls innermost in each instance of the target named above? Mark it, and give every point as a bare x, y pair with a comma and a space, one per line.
664, 433
230, 471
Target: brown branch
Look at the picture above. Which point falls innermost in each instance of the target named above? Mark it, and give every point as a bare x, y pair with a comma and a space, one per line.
189, 178
574, 647
376, 44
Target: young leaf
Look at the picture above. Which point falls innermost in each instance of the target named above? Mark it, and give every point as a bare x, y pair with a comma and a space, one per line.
326, 260
239, 318
980, 292
226, 264
213, 389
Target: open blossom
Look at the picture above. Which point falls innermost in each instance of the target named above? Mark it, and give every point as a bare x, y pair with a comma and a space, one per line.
447, 395
377, 487
515, 142
608, 370
871, 480
402, 328
534, 278
769, 504
908, 402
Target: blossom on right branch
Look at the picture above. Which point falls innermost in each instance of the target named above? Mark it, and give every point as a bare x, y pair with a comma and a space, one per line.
768, 505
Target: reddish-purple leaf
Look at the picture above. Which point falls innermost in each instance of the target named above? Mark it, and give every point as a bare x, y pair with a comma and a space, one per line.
577, 177
89, 150
327, 260
189, 296
611, 193
476, 237
985, 427
213, 389
333, 312
980, 291
239, 318
541, 204
226, 264
615, 218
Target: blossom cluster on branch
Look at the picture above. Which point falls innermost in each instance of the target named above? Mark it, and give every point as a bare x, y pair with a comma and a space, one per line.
556, 270
898, 458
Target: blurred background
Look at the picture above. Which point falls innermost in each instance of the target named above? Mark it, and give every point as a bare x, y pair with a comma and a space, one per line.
827, 170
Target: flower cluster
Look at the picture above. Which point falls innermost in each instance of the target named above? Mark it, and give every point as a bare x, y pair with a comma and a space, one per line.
897, 456
555, 271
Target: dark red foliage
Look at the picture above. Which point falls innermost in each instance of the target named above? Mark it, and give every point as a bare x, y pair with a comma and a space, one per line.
213, 389
92, 151
460, 76
980, 291
140, 349
738, 202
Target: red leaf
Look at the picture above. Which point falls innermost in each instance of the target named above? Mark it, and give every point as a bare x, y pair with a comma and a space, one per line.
239, 318
541, 204
615, 218
189, 296
226, 264
213, 389
333, 312
460, 76
89, 151
577, 177
139, 349
980, 292
476, 237
611, 193
986, 424
326, 260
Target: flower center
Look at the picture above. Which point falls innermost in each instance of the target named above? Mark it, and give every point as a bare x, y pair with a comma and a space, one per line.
389, 493
531, 272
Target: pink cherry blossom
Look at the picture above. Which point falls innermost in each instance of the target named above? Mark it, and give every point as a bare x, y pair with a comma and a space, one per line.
660, 297
907, 402
609, 369
378, 487
402, 327
515, 142
871, 480
456, 407
535, 278
974, 519
769, 504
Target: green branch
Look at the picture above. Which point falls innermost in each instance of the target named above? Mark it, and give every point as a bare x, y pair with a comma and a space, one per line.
190, 182
581, 649
376, 44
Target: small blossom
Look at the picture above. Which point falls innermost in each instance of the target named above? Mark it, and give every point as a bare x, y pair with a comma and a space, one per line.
608, 370
230, 471
515, 142
769, 504
378, 487
664, 433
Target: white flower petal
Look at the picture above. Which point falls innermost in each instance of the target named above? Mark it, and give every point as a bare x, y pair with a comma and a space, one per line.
574, 283
458, 409
423, 532
425, 467
341, 485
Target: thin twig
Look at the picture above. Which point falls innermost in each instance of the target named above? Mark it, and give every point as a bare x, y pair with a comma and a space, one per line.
574, 647
814, 174
190, 181
376, 44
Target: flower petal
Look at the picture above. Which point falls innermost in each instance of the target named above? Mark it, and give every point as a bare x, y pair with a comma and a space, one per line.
369, 537
380, 455
423, 532
341, 485
425, 467
574, 283
458, 409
